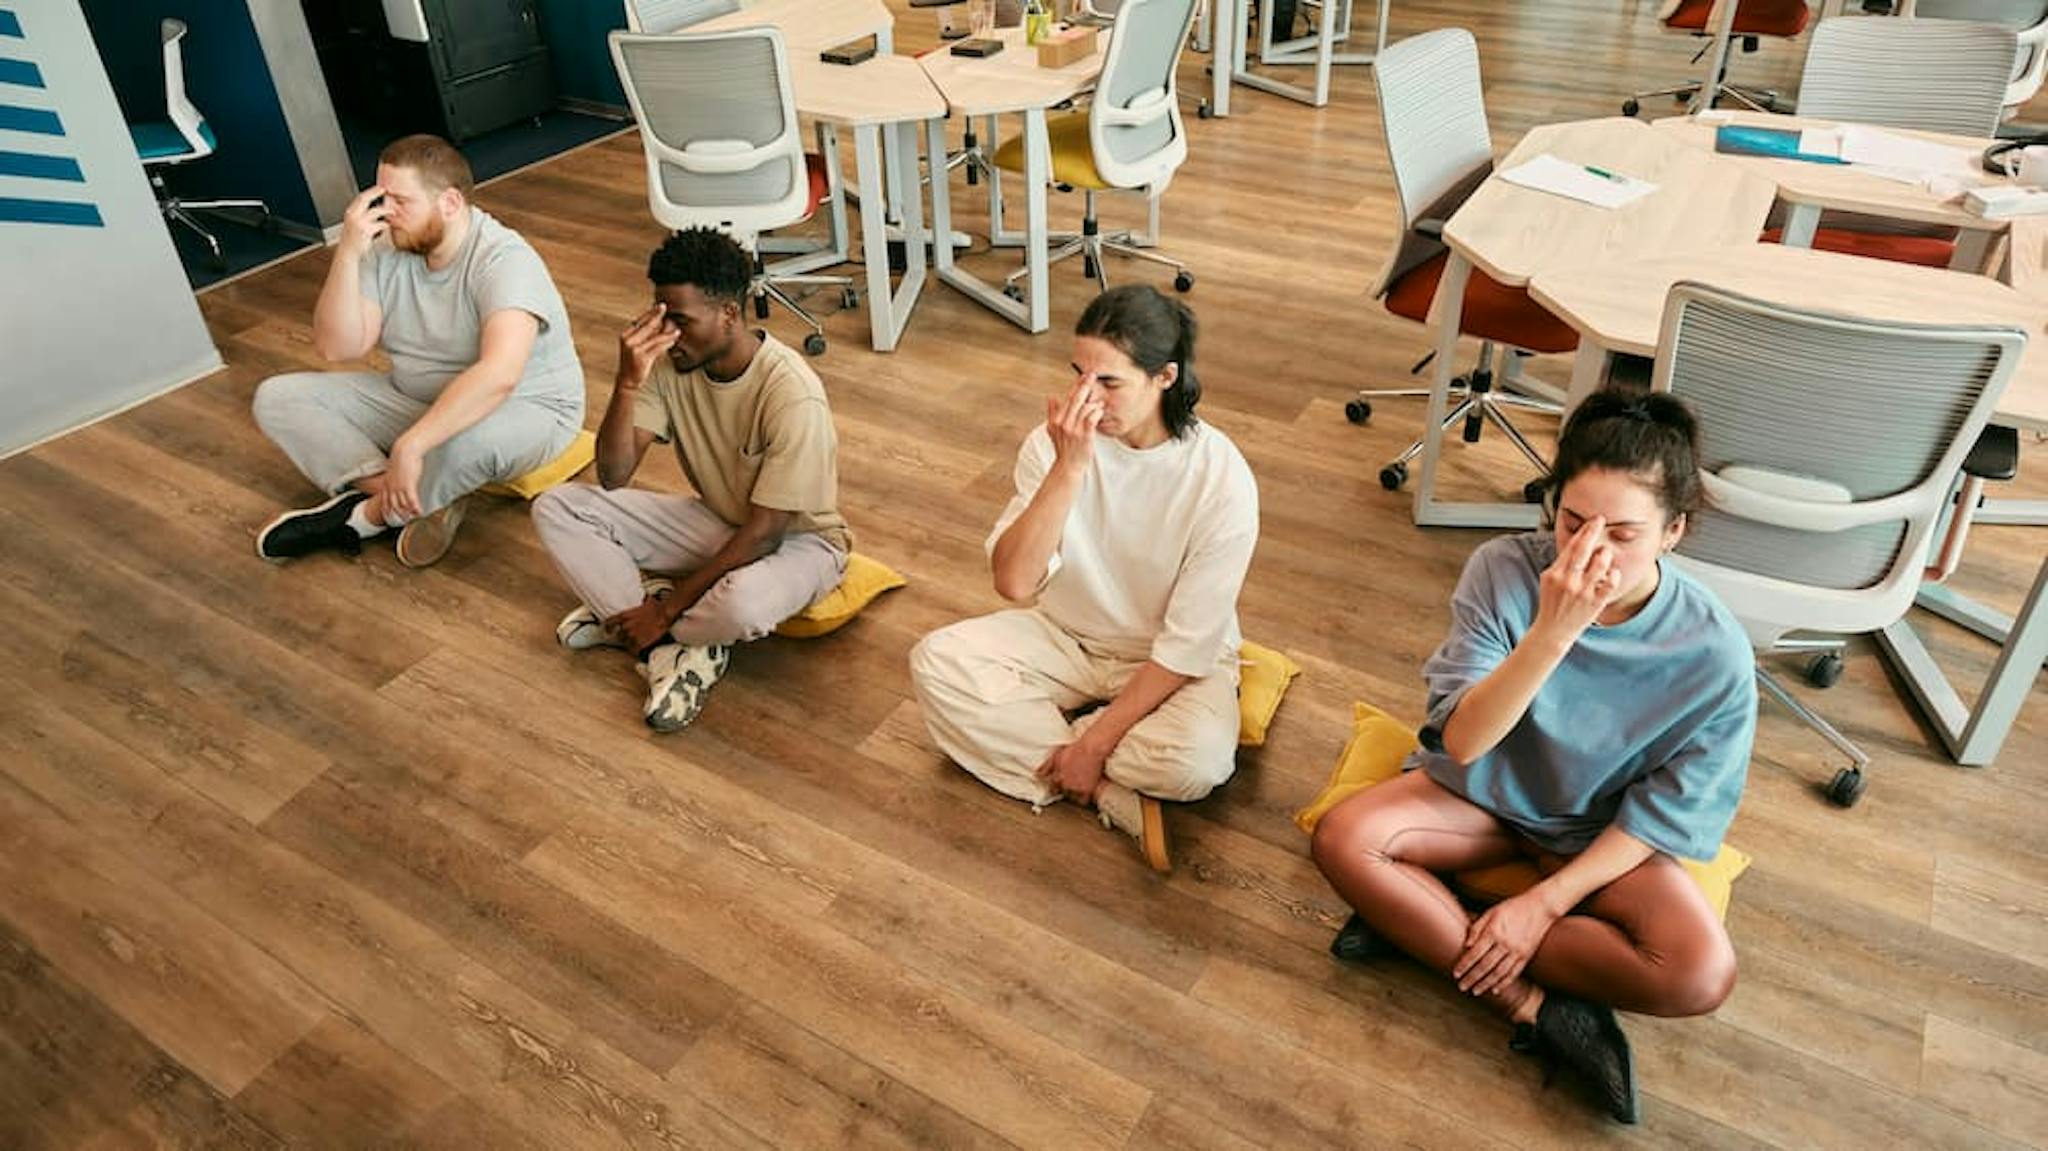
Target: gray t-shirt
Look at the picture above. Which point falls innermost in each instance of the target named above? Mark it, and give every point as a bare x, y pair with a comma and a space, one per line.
1645, 725
434, 321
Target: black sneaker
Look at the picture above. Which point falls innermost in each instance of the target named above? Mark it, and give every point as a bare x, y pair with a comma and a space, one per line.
1357, 942
1586, 1038
313, 529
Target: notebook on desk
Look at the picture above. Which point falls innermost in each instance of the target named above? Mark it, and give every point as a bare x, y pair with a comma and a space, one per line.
1777, 143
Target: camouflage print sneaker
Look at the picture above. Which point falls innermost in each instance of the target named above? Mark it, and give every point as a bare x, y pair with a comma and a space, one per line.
679, 676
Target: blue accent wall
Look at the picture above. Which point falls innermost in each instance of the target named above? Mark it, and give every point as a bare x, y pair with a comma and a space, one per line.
227, 78
575, 32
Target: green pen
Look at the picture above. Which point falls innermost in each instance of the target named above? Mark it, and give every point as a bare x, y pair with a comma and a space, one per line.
1602, 173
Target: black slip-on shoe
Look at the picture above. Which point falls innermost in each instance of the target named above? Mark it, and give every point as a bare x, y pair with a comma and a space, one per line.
1587, 1038
1357, 942
319, 528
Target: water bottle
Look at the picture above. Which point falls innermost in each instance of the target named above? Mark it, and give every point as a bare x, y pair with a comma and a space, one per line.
1037, 21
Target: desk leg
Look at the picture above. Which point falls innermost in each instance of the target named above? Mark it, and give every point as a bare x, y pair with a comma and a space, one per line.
1227, 23
1428, 510
889, 311
1800, 225
942, 197
1589, 372
1973, 249
1037, 222
1973, 737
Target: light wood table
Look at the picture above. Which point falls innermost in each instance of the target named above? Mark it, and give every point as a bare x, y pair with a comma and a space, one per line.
1809, 188
1513, 234
1008, 83
892, 95
1620, 308
811, 25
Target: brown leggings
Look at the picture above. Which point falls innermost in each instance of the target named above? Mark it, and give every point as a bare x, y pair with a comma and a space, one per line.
1648, 942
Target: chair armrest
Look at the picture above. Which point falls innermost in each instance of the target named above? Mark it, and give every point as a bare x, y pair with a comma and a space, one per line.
1430, 227
1995, 455
1145, 108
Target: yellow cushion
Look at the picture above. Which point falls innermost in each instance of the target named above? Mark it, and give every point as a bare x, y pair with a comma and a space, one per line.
1073, 158
864, 580
1378, 746
1262, 678
554, 473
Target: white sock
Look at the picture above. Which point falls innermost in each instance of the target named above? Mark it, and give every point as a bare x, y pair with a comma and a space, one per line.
364, 525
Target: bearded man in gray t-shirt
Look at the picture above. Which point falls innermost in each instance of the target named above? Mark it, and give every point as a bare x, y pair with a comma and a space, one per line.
484, 382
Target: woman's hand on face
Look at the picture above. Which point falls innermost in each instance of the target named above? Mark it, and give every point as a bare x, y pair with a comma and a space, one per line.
1071, 423
1578, 585
1499, 943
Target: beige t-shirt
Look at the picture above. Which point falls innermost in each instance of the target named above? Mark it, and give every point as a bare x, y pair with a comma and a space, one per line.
765, 438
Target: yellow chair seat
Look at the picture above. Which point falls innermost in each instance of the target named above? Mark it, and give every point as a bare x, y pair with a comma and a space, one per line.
560, 470
1073, 160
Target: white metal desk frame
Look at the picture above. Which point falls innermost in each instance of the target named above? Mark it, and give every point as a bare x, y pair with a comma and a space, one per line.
1229, 46
1972, 735
1033, 313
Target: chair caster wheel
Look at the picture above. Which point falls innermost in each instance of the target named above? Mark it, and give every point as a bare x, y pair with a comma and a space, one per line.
760, 307
1203, 111
1358, 411
1534, 491
1014, 291
1183, 282
1089, 270
1846, 788
849, 299
814, 344
1630, 107
1825, 670
1393, 476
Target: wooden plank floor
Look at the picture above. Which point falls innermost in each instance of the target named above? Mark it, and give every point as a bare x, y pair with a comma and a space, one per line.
343, 855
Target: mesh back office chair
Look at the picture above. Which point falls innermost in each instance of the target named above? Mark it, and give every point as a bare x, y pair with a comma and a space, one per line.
658, 17
719, 126
2028, 20
1433, 117
183, 138
1130, 138
1828, 448
1777, 19
1924, 75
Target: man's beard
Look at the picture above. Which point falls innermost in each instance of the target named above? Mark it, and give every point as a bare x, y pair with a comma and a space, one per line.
422, 241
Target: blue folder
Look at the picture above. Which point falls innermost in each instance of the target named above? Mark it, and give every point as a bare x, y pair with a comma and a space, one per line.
1778, 143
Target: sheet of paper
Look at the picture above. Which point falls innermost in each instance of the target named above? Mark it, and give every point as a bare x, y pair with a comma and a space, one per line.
1821, 142
1908, 159
1547, 173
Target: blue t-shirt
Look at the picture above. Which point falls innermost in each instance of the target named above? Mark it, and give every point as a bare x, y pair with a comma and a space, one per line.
1645, 725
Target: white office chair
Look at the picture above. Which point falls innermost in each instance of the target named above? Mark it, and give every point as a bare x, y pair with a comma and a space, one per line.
718, 122
1927, 75
1828, 450
1433, 118
2028, 21
660, 17
1130, 138
183, 138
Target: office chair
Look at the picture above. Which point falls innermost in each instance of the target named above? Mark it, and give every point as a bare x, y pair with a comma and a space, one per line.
2028, 21
183, 138
1129, 138
1777, 19
1923, 75
1433, 117
659, 17
719, 126
1828, 449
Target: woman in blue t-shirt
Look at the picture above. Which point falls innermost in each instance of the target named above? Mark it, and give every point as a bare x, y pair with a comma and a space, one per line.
1591, 709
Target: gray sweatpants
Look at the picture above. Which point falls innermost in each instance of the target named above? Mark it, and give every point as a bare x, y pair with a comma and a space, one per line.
601, 541
338, 426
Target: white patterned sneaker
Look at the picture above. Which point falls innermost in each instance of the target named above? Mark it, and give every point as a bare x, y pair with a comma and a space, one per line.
679, 676
581, 630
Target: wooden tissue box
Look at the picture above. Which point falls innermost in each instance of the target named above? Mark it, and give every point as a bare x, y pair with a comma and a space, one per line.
1066, 47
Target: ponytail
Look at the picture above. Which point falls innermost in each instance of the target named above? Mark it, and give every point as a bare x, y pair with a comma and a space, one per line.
1652, 436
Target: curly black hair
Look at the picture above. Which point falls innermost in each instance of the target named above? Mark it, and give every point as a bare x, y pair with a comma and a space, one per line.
707, 258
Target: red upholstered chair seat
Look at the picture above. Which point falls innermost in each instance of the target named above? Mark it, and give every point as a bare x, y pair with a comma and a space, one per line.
1926, 251
814, 167
1493, 311
1786, 18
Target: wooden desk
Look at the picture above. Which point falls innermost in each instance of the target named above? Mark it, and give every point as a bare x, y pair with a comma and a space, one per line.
2026, 257
1514, 234
810, 25
1620, 308
1810, 188
884, 94
1011, 82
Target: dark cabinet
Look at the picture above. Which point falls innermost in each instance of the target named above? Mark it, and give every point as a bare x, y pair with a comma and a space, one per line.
484, 65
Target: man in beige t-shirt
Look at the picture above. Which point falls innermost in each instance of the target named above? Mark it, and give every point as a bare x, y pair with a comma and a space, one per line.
679, 579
